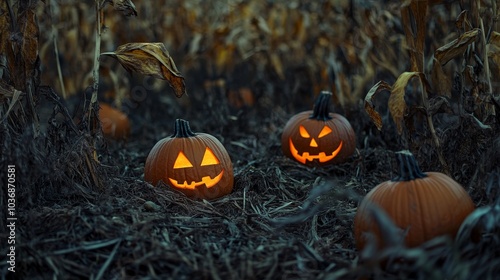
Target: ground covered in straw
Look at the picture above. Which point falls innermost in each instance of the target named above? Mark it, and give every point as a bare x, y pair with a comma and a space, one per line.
282, 220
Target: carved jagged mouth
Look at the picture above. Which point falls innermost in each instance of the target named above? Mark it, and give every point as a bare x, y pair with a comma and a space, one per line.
322, 156
207, 180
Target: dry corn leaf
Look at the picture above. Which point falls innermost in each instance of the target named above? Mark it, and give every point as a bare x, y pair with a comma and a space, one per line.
150, 59
126, 7
397, 104
370, 108
494, 48
440, 81
8, 91
460, 22
277, 65
413, 15
456, 47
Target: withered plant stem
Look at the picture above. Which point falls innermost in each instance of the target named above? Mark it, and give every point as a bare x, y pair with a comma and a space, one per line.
490, 108
425, 101
56, 51
95, 71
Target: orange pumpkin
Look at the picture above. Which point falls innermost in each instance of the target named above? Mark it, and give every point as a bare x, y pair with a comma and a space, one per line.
318, 137
196, 164
426, 205
115, 124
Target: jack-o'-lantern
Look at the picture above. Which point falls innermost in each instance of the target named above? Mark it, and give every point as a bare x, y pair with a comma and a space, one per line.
196, 164
422, 205
318, 137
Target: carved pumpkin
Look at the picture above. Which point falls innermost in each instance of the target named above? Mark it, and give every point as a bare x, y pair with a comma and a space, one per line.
115, 124
426, 205
196, 164
318, 137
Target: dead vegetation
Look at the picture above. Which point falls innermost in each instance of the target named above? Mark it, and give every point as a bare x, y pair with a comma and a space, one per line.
84, 210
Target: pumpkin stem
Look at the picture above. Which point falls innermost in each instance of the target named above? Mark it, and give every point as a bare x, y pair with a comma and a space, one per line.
320, 110
408, 167
182, 129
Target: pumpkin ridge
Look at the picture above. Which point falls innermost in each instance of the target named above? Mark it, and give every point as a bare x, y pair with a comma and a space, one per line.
344, 128
436, 181
426, 210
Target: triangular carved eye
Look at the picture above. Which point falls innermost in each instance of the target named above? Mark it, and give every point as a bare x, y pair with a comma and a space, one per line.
209, 158
182, 161
325, 131
303, 132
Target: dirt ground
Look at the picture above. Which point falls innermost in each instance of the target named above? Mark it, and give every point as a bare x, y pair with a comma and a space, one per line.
84, 210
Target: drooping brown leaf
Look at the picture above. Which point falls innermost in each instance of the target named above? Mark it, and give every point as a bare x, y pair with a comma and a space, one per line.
413, 15
456, 47
126, 7
493, 49
397, 103
150, 59
461, 21
370, 108
440, 81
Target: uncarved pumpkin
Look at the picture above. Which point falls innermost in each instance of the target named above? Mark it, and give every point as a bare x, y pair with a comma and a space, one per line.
196, 164
115, 124
426, 205
318, 137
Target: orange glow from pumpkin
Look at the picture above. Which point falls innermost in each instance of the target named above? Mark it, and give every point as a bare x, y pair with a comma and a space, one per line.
209, 158
325, 131
182, 161
207, 180
303, 132
322, 156
313, 143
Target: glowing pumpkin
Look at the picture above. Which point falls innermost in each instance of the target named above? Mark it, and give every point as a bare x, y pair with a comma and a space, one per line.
115, 124
426, 205
196, 164
318, 137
